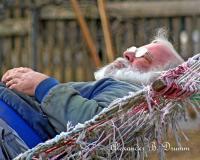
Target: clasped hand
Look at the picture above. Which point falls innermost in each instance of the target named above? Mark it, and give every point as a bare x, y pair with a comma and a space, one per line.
23, 79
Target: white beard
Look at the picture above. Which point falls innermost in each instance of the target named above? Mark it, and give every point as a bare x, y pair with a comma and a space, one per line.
127, 73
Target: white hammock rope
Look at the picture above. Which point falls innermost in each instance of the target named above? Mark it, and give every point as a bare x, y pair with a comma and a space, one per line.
130, 123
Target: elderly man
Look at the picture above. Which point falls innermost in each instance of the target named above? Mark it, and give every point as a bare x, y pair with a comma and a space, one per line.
77, 102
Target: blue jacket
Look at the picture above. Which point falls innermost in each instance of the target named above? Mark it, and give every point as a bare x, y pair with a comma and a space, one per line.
57, 104
77, 102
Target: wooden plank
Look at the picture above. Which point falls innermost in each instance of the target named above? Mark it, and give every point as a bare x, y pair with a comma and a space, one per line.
61, 50
184, 38
86, 33
100, 42
176, 33
17, 40
149, 31
21, 26
58, 44
117, 32
128, 9
1, 57
51, 12
123, 44
25, 51
79, 55
18, 26
17, 58
40, 46
130, 33
66, 56
7, 53
153, 8
89, 69
28, 51
189, 28
196, 35
49, 47
141, 32
71, 51
106, 30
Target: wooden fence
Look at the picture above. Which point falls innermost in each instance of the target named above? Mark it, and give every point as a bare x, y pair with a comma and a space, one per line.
46, 36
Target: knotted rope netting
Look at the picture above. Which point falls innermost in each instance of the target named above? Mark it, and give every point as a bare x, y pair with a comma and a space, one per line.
126, 129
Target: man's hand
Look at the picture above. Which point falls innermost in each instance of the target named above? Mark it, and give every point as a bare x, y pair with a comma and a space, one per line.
22, 79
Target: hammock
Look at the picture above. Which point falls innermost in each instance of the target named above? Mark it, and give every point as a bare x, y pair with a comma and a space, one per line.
127, 128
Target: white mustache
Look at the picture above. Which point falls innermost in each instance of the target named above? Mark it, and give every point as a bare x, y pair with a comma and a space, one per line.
127, 73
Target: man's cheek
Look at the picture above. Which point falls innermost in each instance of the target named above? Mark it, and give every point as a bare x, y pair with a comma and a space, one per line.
142, 66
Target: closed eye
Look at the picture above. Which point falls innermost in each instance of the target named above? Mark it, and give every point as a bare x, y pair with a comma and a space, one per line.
148, 56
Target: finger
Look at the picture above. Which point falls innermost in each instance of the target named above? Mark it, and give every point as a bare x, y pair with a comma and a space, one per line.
14, 86
8, 73
11, 82
5, 75
18, 88
14, 71
13, 76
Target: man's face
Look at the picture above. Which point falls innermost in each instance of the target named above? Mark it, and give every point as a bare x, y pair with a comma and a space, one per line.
148, 57
140, 64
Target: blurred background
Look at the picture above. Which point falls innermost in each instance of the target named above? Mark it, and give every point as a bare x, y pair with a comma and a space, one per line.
70, 39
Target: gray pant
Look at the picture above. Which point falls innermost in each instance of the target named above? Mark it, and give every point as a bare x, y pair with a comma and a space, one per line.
11, 144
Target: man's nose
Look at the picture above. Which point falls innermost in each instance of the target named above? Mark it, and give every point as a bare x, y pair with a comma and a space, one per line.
130, 56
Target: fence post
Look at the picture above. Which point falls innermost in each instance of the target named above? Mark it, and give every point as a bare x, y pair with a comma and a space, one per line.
86, 33
1, 56
106, 30
34, 36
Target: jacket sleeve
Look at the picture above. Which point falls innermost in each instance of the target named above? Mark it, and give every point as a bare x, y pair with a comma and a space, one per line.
64, 104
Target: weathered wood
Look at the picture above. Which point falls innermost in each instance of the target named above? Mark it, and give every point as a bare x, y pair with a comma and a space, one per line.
196, 35
117, 31
25, 51
18, 26
71, 51
129, 34
50, 46
51, 12
7, 53
1, 56
141, 31
86, 33
184, 38
34, 36
106, 30
62, 51
128, 9
95, 29
189, 28
114, 9
153, 8
176, 32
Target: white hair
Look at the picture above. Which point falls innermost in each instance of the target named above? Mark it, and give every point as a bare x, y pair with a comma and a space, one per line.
162, 37
133, 75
